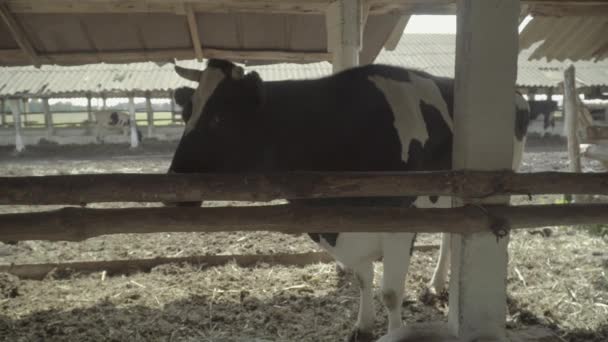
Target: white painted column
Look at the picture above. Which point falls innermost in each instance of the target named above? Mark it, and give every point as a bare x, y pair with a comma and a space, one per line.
344, 23
132, 123
48, 117
486, 70
103, 102
150, 115
15, 108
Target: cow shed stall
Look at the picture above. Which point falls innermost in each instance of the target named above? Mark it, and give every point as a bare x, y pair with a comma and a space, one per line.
349, 37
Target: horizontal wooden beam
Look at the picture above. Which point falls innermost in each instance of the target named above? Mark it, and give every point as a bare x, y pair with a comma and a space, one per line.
18, 34
77, 224
77, 189
17, 57
126, 267
254, 6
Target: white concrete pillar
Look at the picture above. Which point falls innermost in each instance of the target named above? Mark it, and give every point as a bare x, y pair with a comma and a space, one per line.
48, 117
133, 123
15, 108
103, 102
344, 23
484, 127
150, 115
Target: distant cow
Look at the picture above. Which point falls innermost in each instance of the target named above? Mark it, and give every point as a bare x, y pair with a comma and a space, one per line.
546, 108
370, 118
113, 121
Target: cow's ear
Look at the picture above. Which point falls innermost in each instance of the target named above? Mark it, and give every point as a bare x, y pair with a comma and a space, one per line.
254, 88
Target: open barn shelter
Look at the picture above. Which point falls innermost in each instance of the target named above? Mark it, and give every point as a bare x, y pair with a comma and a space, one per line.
346, 33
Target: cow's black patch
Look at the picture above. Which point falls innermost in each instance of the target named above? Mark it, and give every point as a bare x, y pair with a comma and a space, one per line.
413, 243
546, 108
183, 97
113, 119
433, 199
522, 119
331, 238
223, 65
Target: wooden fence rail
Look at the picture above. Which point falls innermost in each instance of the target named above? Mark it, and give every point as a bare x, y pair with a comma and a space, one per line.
125, 267
76, 224
81, 189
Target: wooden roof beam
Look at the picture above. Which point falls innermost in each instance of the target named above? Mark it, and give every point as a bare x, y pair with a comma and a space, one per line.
18, 34
15, 57
193, 28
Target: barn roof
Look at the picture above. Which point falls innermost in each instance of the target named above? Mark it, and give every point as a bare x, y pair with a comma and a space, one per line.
433, 53
571, 37
71, 32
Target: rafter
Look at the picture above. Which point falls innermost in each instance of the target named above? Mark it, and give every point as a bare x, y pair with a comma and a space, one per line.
18, 34
16, 57
193, 28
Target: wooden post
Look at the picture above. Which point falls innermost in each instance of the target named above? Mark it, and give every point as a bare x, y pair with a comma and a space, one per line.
15, 108
24, 111
133, 123
344, 22
486, 69
570, 123
150, 114
89, 110
172, 108
2, 112
48, 117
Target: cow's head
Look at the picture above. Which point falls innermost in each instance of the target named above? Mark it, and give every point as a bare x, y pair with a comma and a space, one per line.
222, 131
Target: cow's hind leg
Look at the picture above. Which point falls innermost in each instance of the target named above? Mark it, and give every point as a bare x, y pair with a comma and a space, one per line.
397, 252
364, 274
440, 275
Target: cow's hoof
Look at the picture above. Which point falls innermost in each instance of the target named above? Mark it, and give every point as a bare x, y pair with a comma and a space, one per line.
360, 336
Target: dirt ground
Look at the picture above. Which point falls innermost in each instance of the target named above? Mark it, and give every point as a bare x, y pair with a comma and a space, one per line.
558, 280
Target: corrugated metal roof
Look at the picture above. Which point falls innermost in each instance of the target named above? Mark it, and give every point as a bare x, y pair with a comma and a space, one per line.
567, 38
433, 53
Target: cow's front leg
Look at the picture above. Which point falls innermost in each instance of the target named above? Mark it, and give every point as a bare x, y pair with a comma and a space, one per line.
440, 275
397, 251
363, 332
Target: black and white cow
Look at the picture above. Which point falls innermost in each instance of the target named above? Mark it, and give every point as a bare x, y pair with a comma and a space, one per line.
370, 118
544, 108
108, 120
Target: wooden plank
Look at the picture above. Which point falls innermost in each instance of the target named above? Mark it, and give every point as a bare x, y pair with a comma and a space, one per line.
77, 189
16, 57
397, 33
581, 7
18, 34
193, 28
77, 224
125, 267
